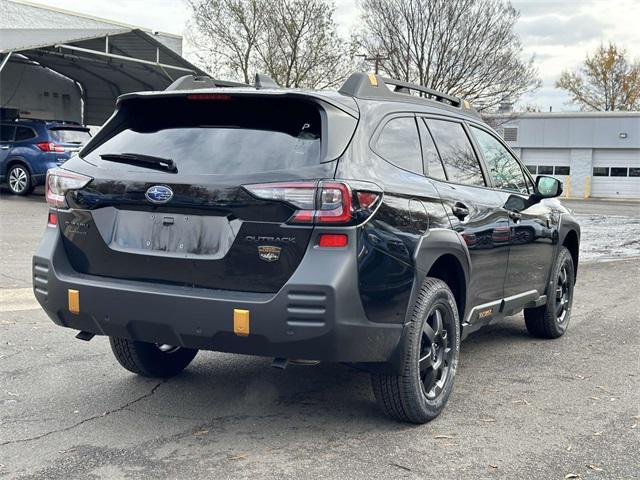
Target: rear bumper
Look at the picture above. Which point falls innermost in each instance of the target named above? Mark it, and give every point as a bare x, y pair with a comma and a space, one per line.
316, 315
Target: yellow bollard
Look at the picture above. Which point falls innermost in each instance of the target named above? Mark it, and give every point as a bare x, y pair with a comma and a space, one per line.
567, 186
587, 187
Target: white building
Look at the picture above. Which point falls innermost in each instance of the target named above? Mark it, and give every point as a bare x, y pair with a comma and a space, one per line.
596, 154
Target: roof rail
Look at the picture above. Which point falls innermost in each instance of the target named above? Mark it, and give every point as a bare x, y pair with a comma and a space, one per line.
193, 82
367, 85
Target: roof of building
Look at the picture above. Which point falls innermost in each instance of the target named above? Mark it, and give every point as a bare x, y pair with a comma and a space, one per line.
105, 58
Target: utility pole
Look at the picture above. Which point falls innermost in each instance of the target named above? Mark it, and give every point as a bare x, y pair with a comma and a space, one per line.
377, 58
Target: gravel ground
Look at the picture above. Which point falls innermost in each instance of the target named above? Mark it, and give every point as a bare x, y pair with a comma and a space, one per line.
521, 408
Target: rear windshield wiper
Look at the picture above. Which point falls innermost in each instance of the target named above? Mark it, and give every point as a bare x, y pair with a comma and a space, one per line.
147, 161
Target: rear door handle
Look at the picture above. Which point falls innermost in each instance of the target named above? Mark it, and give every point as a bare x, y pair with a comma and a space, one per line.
4, 147
460, 210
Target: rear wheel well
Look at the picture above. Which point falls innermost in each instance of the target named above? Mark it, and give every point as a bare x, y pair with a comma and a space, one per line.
448, 269
572, 244
15, 161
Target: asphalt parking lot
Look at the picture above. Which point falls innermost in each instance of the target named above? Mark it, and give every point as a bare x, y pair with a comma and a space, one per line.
521, 408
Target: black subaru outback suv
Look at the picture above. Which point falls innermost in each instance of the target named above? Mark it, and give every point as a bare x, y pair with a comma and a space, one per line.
377, 225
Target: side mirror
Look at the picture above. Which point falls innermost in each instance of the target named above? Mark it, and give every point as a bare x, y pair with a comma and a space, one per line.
548, 187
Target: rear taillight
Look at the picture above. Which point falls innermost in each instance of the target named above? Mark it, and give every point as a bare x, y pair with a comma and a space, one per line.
50, 147
59, 182
324, 202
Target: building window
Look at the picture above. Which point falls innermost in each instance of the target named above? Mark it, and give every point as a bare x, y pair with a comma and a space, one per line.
618, 171
634, 172
600, 171
510, 134
532, 169
562, 170
545, 170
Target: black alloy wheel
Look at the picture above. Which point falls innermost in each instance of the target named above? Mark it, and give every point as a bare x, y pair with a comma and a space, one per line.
429, 350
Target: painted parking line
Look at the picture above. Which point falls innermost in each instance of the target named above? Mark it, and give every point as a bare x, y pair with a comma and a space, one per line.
17, 299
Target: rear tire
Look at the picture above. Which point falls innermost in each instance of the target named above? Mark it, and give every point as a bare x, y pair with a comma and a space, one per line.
551, 320
19, 180
431, 347
150, 359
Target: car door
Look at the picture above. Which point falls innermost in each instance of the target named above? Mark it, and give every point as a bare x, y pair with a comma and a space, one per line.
474, 211
533, 230
6, 139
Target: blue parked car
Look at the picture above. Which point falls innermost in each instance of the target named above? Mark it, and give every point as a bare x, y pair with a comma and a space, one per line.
28, 148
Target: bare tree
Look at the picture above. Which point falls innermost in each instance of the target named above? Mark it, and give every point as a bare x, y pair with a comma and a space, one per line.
608, 80
228, 31
294, 41
466, 48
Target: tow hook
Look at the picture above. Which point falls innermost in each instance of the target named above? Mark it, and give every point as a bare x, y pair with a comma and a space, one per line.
86, 336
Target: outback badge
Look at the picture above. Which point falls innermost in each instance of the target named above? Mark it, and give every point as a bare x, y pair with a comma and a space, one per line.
269, 253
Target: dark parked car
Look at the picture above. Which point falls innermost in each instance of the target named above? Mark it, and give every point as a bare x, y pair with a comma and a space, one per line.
28, 148
368, 226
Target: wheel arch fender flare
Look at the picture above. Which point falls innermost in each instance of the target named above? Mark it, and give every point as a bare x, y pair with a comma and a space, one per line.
12, 161
436, 245
569, 235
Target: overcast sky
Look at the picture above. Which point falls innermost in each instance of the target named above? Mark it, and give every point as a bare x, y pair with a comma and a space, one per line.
558, 33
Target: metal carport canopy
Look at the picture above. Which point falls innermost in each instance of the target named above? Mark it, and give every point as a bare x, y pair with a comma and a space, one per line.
105, 59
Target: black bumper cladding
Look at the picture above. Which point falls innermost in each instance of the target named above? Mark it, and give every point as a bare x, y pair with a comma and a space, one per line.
317, 315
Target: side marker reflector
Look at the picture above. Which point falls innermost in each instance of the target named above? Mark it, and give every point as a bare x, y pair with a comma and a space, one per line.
241, 322
74, 301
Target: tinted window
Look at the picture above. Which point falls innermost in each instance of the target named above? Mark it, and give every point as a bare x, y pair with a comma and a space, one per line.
459, 159
24, 133
532, 169
226, 135
634, 172
432, 163
545, 170
562, 170
600, 171
399, 144
503, 167
61, 135
618, 172
6, 133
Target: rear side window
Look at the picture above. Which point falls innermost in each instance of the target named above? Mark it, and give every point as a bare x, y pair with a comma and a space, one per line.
503, 167
430, 156
458, 157
63, 135
6, 133
24, 133
216, 134
399, 144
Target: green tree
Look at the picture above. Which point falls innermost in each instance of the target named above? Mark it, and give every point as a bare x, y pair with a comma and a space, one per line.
608, 80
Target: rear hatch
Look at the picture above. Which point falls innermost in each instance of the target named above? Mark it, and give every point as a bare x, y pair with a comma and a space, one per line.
71, 138
194, 218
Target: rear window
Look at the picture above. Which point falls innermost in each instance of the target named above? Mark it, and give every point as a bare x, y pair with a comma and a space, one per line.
63, 135
217, 135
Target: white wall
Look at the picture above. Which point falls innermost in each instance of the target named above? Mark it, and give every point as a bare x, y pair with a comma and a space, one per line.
39, 93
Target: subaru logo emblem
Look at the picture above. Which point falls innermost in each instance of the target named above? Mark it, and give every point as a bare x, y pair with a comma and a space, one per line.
159, 194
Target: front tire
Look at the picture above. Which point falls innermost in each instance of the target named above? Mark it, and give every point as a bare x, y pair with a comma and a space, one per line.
19, 180
431, 347
150, 359
551, 320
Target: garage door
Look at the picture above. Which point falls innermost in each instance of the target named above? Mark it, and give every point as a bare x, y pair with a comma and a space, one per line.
616, 173
547, 161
